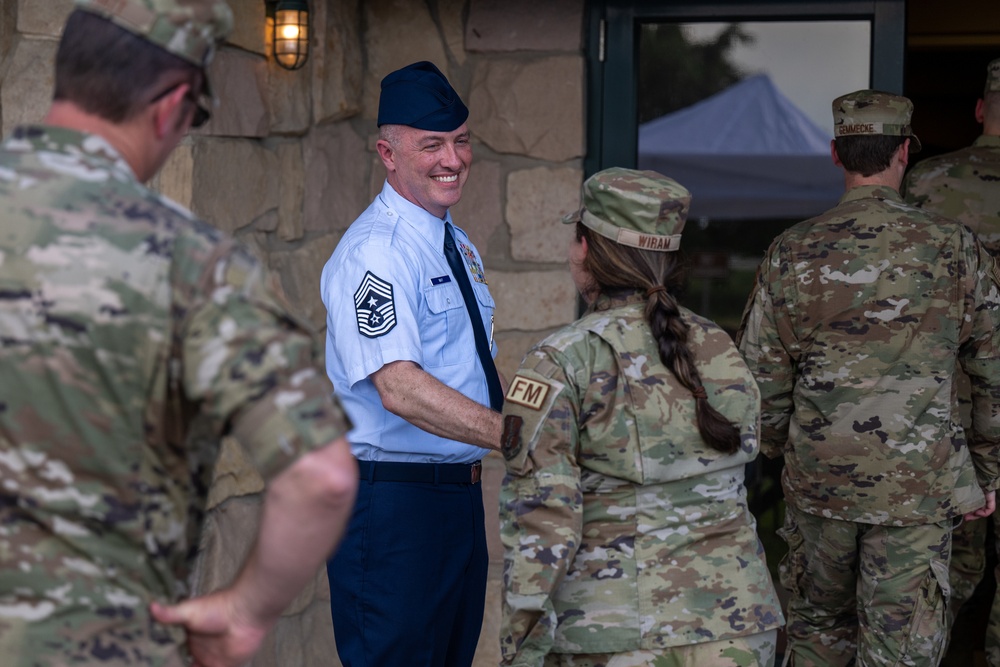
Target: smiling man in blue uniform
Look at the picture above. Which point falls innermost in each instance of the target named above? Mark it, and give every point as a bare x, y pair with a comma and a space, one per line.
410, 354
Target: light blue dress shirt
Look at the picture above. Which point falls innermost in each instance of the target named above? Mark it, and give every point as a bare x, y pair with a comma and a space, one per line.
390, 296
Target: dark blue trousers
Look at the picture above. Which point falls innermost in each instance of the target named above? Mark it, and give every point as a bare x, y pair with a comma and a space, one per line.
408, 583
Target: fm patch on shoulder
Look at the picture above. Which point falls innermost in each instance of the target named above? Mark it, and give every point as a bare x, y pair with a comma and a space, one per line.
527, 392
374, 306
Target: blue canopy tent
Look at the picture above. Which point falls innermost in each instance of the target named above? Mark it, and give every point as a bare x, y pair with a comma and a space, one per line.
745, 153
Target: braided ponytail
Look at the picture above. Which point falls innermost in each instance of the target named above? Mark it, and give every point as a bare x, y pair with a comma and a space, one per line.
615, 266
671, 334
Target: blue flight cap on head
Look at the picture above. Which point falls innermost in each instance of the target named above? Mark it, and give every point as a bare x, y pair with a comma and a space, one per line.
420, 96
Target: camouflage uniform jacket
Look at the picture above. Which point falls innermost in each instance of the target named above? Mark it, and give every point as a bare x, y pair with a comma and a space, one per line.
964, 186
854, 331
132, 338
622, 529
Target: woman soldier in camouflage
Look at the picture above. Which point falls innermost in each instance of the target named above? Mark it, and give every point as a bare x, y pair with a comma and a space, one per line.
627, 538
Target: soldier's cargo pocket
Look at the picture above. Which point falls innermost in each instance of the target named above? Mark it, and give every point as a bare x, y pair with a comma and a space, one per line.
925, 637
792, 566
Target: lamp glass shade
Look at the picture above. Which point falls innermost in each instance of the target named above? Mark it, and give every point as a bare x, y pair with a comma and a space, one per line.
291, 34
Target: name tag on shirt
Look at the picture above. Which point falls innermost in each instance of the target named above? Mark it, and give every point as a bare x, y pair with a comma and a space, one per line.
440, 280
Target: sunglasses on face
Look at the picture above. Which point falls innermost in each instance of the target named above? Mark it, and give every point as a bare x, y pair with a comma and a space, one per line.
201, 114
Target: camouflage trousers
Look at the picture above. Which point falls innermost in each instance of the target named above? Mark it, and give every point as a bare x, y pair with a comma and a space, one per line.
865, 595
968, 549
968, 563
750, 651
968, 543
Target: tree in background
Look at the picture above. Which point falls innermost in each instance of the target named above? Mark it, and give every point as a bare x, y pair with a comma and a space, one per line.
675, 73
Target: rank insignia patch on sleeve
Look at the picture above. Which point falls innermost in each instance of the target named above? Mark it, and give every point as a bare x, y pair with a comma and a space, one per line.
374, 306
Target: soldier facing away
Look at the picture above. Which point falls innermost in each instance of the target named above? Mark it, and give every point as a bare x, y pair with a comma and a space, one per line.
965, 185
132, 338
854, 331
627, 537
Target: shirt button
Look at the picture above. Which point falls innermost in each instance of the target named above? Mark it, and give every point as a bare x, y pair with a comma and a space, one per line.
449, 300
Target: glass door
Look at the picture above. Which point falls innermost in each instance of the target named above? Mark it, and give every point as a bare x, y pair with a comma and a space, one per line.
739, 113
732, 99
615, 31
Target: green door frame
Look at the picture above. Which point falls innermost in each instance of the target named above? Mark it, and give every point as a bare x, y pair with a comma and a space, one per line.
613, 27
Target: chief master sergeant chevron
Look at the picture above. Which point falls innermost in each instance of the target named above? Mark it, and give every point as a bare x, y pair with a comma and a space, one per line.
132, 338
854, 331
410, 354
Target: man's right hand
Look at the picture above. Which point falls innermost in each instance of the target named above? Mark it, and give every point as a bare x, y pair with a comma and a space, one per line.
306, 509
985, 510
218, 634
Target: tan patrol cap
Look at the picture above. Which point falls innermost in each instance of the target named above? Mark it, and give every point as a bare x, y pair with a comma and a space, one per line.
189, 29
641, 209
872, 112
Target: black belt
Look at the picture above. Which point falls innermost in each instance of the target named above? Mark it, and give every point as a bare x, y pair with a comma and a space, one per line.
427, 473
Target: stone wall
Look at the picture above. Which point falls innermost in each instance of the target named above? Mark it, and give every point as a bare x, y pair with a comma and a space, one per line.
288, 161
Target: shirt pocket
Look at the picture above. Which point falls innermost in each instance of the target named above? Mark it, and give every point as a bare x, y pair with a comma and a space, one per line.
446, 332
485, 299
487, 307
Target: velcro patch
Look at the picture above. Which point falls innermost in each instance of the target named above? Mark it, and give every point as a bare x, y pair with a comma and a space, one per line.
510, 442
527, 392
374, 306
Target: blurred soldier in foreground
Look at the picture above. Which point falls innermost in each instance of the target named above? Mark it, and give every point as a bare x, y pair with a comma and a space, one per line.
127, 327
858, 322
965, 186
627, 537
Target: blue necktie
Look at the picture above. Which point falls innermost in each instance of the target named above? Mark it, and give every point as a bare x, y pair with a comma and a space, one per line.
461, 271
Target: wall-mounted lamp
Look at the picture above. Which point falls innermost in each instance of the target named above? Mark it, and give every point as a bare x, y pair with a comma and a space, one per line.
290, 39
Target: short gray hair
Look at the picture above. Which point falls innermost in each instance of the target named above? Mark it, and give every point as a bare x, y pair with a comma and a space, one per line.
390, 133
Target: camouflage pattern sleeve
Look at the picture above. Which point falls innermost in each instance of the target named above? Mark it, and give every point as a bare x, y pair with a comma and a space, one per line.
251, 364
911, 188
134, 338
962, 186
980, 358
541, 505
767, 343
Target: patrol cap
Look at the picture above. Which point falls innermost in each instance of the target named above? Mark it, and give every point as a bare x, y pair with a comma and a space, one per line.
189, 29
420, 96
872, 112
641, 209
993, 77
